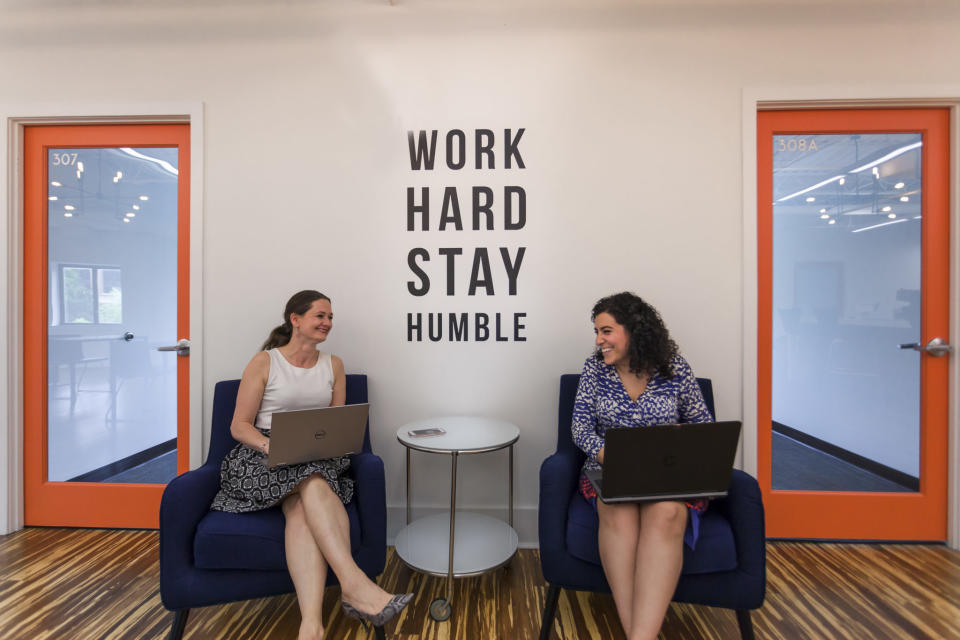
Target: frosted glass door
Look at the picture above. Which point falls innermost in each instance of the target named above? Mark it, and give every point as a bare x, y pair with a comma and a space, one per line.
846, 293
112, 283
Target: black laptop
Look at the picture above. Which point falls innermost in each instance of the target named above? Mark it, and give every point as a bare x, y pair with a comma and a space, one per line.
667, 462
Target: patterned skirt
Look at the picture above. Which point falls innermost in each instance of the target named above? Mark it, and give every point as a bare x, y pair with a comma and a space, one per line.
694, 507
247, 484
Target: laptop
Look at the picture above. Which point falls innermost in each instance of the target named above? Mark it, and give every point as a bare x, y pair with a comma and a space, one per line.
667, 462
315, 434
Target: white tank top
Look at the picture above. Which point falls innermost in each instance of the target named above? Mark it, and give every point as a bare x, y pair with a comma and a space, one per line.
291, 388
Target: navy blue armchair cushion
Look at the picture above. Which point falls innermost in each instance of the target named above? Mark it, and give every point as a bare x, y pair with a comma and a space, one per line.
727, 568
252, 542
211, 557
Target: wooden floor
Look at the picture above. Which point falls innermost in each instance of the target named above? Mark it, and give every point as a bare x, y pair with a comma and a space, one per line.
87, 584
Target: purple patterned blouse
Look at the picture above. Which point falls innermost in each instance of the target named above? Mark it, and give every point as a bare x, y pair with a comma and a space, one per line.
603, 402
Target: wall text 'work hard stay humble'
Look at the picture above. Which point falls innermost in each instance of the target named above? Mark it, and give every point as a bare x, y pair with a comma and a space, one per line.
492, 271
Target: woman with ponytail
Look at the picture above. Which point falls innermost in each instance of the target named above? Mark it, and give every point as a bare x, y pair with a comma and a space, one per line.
290, 374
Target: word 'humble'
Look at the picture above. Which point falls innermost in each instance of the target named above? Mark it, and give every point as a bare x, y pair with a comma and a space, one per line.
458, 328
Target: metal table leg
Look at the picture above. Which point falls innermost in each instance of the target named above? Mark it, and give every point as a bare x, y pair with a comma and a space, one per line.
510, 513
441, 608
408, 485
453, 517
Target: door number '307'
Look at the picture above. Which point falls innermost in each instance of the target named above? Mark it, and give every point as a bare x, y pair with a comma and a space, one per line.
64, 158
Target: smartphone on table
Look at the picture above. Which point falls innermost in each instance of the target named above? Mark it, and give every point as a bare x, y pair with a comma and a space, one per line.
425, 433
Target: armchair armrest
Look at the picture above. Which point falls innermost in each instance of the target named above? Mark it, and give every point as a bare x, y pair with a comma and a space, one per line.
186, 500
371, 496
743, 508
558, 481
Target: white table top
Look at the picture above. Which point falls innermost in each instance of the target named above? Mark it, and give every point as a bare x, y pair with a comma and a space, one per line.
463, 434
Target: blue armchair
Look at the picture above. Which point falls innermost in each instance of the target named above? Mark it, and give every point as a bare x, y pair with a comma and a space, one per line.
727, 569
211, 557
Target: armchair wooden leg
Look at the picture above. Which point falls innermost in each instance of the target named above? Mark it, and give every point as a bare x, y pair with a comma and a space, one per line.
378, 632
746, 625
549, 611
179, 624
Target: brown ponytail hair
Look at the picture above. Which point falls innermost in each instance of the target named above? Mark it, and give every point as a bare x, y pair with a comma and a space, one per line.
299, 303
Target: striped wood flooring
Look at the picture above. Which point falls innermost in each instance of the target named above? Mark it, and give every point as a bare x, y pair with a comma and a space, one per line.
90, 584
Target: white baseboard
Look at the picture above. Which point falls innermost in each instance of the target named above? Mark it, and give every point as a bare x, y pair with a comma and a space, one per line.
524, 520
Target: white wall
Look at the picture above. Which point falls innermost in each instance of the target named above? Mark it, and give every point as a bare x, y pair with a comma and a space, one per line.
633, 171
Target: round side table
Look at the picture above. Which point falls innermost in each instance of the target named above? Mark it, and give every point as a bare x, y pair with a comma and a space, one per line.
462, 544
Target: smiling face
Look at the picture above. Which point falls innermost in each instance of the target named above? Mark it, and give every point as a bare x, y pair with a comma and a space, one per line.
612, 341
316, 323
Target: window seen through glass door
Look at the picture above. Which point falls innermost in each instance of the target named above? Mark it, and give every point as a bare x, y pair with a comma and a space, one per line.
91, 295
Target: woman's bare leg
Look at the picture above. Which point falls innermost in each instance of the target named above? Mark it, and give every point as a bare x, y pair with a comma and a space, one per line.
659, 559
307, 568
618, 536
328, 522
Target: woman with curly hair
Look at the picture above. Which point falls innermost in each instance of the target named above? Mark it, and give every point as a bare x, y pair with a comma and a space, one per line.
637, 378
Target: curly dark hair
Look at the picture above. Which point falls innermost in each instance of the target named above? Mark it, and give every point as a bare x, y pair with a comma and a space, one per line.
651, 349
299, 303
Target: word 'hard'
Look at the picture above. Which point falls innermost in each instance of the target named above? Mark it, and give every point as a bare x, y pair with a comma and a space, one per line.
481, 209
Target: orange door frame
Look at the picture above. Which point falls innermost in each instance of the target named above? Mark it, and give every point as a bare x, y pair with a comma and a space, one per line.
84, 504
848, 515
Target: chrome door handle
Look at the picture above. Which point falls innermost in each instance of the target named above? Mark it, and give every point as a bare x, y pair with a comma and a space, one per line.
128, 336
182, 348
936, 347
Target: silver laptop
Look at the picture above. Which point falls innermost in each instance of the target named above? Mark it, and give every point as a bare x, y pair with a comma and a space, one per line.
315, 434
667, 462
